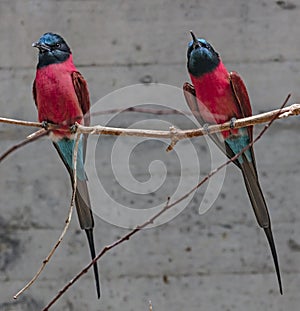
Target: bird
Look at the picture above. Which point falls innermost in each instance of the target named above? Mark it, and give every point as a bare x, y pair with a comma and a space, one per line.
61, 96
217, 96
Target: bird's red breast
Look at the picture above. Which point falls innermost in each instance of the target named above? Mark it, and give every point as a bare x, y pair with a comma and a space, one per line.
55, 95
217, 103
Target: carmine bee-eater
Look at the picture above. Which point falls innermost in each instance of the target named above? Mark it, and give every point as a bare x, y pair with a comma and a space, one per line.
61, 96
217, 96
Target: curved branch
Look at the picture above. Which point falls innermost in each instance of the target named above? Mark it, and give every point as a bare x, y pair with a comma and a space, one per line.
29, 139
172, 134
20, 122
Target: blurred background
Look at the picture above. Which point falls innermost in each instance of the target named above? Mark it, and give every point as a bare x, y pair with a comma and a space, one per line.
216, 261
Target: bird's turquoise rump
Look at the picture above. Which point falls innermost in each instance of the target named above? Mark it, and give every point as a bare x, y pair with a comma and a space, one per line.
238, 143
66, 147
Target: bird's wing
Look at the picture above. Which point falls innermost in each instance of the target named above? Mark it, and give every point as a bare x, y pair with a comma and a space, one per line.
34, 92
82, 93
242, 98
190, 97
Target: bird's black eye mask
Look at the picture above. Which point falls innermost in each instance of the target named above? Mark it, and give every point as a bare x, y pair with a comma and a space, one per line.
59, 47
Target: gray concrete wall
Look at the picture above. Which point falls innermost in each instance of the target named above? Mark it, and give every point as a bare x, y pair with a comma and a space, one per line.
216, 261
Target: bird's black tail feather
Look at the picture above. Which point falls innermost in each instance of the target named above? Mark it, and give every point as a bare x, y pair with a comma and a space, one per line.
269, 235
90, 237
260, 209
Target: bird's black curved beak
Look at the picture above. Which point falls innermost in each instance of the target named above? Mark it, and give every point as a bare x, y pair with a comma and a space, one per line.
195, 40
41, 46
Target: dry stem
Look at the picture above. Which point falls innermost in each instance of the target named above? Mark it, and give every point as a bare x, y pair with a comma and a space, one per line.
171, 134
68, 220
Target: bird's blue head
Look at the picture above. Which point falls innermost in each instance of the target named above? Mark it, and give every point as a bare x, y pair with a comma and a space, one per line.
202, 58
53, 49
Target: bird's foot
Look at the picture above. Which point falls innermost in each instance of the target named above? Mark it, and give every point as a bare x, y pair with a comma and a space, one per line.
73, 128
232, 122
206, 128
45, 125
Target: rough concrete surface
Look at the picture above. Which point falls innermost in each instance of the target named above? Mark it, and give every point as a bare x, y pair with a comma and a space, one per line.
219, 260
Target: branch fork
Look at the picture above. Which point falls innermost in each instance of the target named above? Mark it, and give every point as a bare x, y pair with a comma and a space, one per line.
174, 138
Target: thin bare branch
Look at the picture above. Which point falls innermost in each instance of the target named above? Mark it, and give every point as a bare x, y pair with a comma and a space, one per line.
67, 223
168, 205
142, 110
34, 136
20, 122
174, 139
50, 126
37, 133
179, 134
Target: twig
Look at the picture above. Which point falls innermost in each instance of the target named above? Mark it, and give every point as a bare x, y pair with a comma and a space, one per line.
20, 122
127, 236
36, 133
142, 110
68, 220
29, 139
174, 138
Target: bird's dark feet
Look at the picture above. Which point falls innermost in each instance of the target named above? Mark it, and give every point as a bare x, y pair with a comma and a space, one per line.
45, 125
232, 122
73, 128
206, 128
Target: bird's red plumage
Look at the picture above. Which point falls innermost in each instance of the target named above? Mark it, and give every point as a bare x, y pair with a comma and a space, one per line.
216, 100
55, 96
